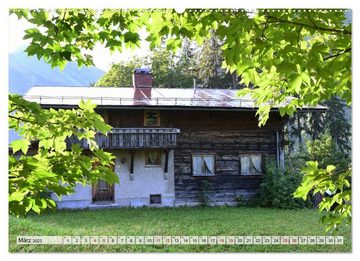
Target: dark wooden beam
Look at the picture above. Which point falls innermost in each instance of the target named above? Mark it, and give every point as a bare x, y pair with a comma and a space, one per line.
106, 116
132, 162
166, 165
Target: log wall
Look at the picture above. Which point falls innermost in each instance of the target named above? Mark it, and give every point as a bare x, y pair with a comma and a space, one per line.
227, 145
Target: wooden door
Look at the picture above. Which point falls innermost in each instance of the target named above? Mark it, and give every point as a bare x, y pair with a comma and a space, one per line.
103, 191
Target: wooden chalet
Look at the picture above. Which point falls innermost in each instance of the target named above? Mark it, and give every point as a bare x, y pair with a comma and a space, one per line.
172, 146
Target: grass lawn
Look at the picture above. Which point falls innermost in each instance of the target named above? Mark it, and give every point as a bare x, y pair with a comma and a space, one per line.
213, 221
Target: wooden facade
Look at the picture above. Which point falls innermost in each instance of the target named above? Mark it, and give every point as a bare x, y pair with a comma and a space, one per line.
227, 145
225, 134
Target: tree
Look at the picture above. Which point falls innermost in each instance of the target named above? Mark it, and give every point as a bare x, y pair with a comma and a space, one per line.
337, 124
295, 128
120, 74
324, 151
177, 70
169, 70
311, 125
209, 66
54, 165
185, 61
315, 124
210, 60
303, 54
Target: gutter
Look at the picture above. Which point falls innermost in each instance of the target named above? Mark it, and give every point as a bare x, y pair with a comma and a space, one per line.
277, 149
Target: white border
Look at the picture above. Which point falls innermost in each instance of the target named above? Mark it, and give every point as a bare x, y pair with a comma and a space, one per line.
5, 4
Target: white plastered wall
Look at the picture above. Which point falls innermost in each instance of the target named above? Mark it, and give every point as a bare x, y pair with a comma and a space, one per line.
80, 199
134, 190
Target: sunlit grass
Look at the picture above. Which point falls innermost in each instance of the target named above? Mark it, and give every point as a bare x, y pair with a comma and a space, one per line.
214, 221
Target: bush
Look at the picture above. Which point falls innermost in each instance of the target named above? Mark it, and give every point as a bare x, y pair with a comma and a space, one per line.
277, 188
325, 152
204, 192
240, 201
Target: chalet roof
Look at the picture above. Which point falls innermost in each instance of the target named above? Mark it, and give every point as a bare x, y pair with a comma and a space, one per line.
160, 97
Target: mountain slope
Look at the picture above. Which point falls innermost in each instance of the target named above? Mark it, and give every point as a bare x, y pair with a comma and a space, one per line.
25, 72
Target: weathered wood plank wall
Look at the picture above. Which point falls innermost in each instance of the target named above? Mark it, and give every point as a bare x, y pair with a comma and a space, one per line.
201, 119
227, 145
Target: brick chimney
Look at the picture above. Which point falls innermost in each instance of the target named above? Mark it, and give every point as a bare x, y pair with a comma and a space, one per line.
142, 82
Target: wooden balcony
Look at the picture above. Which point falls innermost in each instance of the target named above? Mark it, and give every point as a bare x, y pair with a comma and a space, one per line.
135, 138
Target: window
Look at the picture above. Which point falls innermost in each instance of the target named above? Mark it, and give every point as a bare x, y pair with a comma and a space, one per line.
152, 158
203, 164
155, 199
102, 185
151, 118
251, 164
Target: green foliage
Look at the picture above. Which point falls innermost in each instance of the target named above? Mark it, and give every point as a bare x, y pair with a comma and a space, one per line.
324, 151
120, 74
295, 131
315, 124
241, 201
204, 193
337, 124
277, 188
334, 186
310, 125
327, 173
208, 65
46, 163
175, 70
169, 70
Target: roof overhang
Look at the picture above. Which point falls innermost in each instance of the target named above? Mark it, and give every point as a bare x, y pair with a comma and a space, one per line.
161, 99
185, 108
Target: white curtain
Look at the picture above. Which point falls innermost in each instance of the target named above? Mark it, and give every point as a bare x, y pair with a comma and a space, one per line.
245, 165
209, 163
197, 162
256, 162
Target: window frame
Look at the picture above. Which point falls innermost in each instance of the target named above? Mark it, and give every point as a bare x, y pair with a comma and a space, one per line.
157, 124
160, 154
155, 196
203, 154
258, 173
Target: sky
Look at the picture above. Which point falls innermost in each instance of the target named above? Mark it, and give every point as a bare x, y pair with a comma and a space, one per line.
102, 56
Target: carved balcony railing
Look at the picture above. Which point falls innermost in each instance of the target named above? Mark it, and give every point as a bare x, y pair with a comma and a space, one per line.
134, 138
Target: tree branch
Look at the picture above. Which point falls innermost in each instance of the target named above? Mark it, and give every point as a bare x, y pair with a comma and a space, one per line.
298, 39
311, 20
22, 119
337, 54
333, 30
